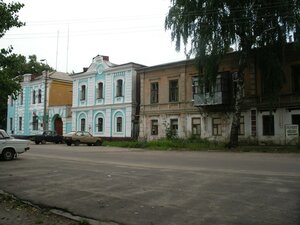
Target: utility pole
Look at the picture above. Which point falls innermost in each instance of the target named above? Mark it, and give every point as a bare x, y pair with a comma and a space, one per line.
45, 127
45, 123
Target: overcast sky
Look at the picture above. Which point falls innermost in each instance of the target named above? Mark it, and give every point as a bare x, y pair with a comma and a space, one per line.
126, 31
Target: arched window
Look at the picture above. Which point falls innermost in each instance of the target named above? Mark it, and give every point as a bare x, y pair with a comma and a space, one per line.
82, 124
100, 90
82, 92
33, 97
119, 124
40, 96
119, 88
100, 124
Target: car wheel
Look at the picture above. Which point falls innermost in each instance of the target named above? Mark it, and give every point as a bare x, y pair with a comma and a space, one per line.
43, 142
89, 144
8, 154
98, 143
57, 142
37, 142
77, 142
69, 143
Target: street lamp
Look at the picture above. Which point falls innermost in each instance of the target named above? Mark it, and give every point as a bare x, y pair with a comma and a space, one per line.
45, 97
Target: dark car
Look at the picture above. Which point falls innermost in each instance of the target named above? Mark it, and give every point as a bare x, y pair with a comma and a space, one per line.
78, 137
47, 136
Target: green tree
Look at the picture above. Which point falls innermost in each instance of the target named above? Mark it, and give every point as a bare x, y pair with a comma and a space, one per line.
8, 82
208, 28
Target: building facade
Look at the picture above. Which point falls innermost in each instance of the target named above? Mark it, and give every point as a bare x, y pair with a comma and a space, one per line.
105, 99
46, 96
175, 100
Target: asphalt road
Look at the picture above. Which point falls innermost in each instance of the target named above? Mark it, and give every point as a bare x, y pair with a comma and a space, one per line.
137, 187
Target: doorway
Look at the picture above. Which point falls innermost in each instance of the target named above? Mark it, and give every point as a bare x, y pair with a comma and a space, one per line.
296, 120
58, 125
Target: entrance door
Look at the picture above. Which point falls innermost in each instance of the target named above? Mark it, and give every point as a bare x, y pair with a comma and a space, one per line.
58, 126
296, 120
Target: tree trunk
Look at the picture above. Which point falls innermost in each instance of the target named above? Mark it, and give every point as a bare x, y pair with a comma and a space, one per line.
238, 98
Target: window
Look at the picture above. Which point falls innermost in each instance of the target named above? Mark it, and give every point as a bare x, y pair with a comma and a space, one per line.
100, 90
241, 130
35, 123
174, 126
119, 88
173, 90
268, 125
154, 127
82, 124
119, 124
33, 97
195, 86
40, 96
296, 78
100, 125
196, 126
20, 123
217, 128
21, 97
82, 92
154, 93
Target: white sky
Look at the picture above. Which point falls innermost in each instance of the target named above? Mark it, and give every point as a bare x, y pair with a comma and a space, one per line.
126, 31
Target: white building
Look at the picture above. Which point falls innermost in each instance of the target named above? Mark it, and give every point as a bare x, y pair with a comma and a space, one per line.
105, 99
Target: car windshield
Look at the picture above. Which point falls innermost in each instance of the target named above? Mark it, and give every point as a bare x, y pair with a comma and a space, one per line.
4, 134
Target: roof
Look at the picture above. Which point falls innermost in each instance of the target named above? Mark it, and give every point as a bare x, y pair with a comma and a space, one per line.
60, 76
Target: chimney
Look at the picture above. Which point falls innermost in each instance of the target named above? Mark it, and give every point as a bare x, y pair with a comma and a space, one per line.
85, 69
105, 58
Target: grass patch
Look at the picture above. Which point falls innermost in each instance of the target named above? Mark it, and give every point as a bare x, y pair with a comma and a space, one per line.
201, 145
169, 144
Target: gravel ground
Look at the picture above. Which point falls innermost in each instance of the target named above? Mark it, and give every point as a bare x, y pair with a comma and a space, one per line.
16, 212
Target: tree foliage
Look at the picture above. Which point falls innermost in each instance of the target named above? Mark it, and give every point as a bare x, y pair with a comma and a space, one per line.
210, 27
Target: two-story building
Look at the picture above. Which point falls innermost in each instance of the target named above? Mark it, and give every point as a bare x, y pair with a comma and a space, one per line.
174, 98
44, 103
105, 99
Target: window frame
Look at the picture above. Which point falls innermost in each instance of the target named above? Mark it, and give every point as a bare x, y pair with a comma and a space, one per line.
39, 96
154, 92
119, 88
33, 97
35, 122
82, 124
174, 126
100, 124
173, 90
83, 92
154, 127
241, 129
100, 89
119, 124
268, 129
217, 126
196, 126
20, 123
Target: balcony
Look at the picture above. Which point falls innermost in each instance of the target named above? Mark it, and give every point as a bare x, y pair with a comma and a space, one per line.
217, 98
206, 94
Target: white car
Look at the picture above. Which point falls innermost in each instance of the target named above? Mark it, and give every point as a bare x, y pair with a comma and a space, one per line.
11, 147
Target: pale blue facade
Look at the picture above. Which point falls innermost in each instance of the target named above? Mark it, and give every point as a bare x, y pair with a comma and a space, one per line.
105, 99
25, 114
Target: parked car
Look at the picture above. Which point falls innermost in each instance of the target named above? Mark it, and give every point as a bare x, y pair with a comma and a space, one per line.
81, 137
11, 147
47, 136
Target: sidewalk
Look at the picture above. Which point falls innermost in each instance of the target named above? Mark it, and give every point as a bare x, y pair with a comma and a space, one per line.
16, 212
